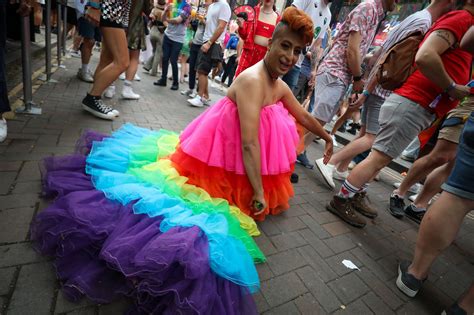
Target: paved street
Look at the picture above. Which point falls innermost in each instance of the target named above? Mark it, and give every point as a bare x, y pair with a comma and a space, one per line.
305, 246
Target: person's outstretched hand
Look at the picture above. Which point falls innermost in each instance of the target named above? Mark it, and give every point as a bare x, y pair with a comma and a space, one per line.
328, 150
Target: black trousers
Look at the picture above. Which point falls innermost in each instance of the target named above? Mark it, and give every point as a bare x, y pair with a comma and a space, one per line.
4, 103
229, 70
193, 54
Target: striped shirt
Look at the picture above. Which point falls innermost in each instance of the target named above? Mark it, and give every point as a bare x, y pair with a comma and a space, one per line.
418, 22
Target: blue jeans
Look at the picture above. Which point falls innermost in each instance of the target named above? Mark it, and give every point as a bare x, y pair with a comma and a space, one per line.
171, 51
460, 182
291, 78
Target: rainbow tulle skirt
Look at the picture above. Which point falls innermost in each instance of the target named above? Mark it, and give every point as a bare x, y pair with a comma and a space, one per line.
163, 218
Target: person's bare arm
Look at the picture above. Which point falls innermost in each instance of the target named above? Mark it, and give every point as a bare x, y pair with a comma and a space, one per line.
429, 62
164, 16
217, 33
303, 117
315, 52
467, 42
249, 100
354, 59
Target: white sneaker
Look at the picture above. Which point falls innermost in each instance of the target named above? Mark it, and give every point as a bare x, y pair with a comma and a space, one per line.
86, 77
75, 53
206, 102
340, 175
196, 101
415, 189
128, 94
137, 77
189, 93
3, 129
110, 91
334, 142
326, 171
412, 198
122, 76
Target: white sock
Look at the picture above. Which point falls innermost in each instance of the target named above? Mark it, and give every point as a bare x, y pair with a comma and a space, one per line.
85, 67
127, 83
416, 209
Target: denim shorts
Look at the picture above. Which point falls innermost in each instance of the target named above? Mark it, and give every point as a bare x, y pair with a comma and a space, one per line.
460, 182
88, 30
370, 114
328, 92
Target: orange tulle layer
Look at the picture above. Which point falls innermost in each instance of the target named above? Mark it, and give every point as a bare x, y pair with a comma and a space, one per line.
237, 189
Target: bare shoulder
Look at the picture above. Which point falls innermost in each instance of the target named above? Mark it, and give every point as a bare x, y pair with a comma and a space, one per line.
248, 83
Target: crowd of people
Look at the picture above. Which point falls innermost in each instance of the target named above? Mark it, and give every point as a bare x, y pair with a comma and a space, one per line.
243, 148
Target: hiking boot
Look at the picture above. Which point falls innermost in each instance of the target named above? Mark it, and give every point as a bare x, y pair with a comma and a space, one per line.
397, 206
95, 106
406, 282
359, 204
343, 209
303, 160
412, 213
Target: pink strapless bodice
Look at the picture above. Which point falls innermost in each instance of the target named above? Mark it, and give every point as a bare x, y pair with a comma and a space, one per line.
214, 138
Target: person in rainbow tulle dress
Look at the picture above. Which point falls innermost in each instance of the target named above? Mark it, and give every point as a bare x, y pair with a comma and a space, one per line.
168, 219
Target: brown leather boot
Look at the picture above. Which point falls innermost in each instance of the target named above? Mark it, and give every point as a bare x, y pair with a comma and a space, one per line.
359, 203
343, 209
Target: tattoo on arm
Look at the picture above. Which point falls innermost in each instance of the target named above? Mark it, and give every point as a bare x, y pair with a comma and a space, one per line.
314, 57
445, 35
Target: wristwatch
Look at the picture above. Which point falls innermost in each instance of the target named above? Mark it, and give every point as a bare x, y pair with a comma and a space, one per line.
357, 78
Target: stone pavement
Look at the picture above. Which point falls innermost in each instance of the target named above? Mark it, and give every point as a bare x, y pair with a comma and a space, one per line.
305, 246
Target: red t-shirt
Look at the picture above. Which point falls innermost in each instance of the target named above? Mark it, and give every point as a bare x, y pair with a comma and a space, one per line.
457, 63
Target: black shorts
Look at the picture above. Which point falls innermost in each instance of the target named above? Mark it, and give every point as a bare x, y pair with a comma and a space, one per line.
209, 60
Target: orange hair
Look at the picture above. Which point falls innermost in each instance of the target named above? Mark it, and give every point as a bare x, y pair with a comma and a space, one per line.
298, 21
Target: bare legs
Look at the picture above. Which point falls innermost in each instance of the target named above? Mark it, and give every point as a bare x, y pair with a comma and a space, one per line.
133, 66
203, 89
113, 59
433, 184
443, 152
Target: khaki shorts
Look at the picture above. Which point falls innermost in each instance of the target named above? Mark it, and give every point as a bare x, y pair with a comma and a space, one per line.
453, 125
328, 92
401, 120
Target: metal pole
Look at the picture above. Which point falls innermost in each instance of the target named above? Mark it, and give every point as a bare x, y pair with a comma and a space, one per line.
64, 29
48, 40
58, 34
29, 106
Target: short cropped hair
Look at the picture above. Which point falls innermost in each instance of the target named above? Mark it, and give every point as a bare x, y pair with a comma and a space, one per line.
297, 21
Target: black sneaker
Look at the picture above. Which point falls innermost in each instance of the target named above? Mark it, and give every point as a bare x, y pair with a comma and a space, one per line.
160, 82
416, 216
175, 87
397, 205
303, 160
454, 309
406, 282
95, 106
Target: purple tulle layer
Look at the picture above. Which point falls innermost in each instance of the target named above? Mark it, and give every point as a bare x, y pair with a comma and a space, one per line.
104, 251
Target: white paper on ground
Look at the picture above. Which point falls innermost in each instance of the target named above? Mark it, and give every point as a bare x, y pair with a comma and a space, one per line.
349, 264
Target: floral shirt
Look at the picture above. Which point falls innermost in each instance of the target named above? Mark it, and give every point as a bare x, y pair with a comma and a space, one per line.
363, 19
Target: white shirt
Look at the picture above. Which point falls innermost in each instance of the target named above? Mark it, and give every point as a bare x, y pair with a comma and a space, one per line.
217, 11
320, 14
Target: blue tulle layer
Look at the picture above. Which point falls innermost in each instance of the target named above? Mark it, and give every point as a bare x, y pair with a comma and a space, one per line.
108, 164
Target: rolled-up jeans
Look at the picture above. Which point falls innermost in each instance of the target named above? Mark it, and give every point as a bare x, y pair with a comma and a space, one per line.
171, 51
460, 182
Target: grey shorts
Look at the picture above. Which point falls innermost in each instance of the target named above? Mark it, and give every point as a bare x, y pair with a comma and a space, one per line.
401, 120
328, 92
370, 114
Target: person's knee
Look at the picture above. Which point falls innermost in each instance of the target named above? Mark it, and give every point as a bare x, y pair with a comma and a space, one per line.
88, 44
436, 159
378, 160
123, 62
